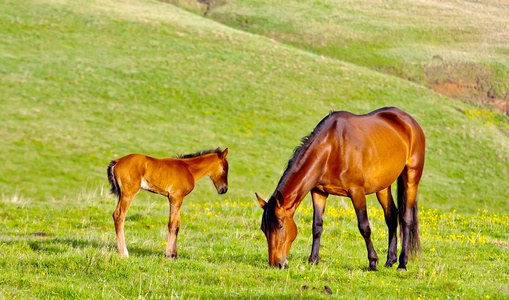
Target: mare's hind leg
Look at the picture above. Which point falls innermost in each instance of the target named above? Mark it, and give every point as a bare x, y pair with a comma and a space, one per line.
391, 218
409, 223
359, 202
319, 199
126, 197
173, 226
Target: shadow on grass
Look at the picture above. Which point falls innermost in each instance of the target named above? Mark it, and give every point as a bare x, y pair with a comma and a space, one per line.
58, 245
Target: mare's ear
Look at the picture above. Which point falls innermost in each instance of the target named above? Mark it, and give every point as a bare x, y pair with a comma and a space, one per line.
261, 201
223, 155
279, 199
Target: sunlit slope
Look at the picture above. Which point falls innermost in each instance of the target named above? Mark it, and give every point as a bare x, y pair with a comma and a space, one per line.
84, 83
433, 42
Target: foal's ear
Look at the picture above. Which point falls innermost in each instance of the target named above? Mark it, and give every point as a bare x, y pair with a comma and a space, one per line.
223, 155
261, 201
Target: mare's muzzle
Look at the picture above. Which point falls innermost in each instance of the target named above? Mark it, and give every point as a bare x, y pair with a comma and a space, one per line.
282, 264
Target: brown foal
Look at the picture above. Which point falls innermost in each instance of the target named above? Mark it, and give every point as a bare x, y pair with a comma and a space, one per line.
171, 177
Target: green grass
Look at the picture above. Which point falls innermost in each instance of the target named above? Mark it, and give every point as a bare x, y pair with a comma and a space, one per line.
84, 83
222, 254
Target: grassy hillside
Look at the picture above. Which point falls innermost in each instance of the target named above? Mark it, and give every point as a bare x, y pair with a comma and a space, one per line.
86, 82
458, 48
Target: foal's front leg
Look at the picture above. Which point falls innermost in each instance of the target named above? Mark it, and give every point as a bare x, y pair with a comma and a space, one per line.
319, 200
173, 226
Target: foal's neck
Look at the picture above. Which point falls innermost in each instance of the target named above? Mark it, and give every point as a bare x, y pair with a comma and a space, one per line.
200, 166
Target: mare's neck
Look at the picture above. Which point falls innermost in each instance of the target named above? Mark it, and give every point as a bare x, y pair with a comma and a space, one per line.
298, 181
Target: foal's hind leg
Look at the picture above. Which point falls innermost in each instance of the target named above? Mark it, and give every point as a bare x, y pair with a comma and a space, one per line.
119, 216
173, 226
391, 218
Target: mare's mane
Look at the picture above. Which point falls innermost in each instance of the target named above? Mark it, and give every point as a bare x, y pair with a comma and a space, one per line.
269, 218
300, 149
199, 153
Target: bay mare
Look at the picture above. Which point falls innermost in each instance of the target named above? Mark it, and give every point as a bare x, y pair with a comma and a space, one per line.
352, 156
171, 177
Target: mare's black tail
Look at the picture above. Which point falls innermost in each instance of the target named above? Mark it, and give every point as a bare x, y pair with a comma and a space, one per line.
414, 242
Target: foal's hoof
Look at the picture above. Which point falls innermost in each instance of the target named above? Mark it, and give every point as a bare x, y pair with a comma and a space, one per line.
123, 253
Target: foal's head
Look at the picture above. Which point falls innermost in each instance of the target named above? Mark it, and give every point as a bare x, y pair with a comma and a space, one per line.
279, 229
219, 173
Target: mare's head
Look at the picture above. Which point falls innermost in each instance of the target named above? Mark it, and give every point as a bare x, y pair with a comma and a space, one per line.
279, 229
219, 173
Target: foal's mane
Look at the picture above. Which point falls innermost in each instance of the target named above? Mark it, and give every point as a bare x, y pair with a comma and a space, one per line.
199, 153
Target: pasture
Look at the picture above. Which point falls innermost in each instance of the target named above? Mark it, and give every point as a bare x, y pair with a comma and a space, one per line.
83, 83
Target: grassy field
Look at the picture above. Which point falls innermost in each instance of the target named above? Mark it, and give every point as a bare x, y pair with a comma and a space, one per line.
222, 254
84, 83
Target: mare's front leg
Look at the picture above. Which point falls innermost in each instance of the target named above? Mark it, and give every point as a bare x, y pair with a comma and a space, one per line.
391, 219
359, 202
173, 226
319, 199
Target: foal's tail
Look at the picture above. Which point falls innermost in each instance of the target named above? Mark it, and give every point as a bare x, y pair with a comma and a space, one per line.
115, 188
414, 242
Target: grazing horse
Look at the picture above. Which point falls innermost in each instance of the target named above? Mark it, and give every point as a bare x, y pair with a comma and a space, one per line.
170, 177
351, 156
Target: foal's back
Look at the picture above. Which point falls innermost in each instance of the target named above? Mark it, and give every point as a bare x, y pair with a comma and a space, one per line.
153, 174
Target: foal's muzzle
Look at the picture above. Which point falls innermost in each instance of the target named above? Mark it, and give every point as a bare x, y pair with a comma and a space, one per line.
222, 190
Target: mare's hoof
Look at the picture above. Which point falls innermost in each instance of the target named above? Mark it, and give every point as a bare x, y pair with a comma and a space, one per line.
402, 268
314, 260
372, 267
